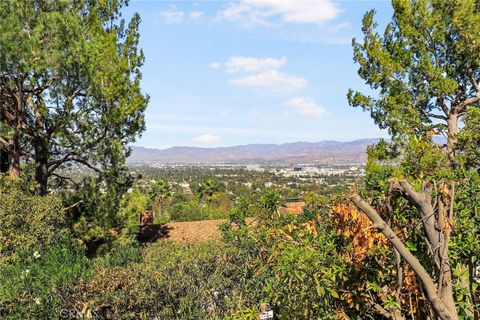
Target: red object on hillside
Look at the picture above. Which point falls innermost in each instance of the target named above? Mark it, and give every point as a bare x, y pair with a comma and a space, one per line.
146, 218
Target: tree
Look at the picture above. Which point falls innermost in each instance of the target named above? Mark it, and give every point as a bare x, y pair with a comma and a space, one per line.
69, 85
425, 72
207, 189
160, 192
271, 202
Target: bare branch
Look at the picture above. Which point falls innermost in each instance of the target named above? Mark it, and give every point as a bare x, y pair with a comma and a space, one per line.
437, 116
417, 267
87, 164
52, 166
72, 206
64, 178
414, 196
460, 108
441, 103
384, 313
4, 143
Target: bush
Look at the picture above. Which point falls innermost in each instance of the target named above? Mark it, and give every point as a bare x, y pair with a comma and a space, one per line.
27, 221
191, 210
173, 282
33, 286
293, 263
120, 256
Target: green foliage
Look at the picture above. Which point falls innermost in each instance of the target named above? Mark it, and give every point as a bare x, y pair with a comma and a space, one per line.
245, 314
293, 263
207, 189
27, 221
160, 192
424, 71
121, 255
191, 210
173, 282
306, 279
132, 206
468, 145
76, 65
99, 214
465, 243
425, 57
34, 286
423, 159
270, 203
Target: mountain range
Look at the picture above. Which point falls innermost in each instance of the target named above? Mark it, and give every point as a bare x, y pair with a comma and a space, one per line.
331, 152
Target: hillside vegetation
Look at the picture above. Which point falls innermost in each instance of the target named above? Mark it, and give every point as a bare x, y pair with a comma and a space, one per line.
83, 237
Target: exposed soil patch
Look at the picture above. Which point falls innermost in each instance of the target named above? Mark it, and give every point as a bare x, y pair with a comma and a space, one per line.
194, 231
183, 232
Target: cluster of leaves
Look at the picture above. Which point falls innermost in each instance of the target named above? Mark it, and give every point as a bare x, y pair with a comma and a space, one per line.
27, 221
166, 281
295, 262
358, 231
373, 279
34, 286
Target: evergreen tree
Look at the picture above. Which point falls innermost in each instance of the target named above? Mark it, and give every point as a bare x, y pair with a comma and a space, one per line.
69, 85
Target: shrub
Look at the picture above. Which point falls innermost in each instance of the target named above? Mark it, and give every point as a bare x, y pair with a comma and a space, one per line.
192, 210
120, 256
27, 221
173, 282
293, 263
33, 286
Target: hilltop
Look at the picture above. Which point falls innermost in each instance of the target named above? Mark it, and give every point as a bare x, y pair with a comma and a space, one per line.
323, 152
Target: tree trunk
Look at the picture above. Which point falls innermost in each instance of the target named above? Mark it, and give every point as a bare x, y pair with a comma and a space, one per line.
452, 124
14, 159
14, 141
446, 292
442, 307
41, 167
446, 287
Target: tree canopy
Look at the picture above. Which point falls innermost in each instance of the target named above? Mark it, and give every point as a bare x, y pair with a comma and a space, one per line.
424, 75
69, 85
425, 67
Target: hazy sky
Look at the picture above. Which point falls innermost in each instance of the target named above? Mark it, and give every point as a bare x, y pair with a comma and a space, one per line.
223, 73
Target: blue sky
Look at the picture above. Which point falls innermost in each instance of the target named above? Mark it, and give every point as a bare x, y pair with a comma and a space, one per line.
223, 73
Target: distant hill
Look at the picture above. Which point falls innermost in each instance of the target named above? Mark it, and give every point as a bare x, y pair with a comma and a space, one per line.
321, 152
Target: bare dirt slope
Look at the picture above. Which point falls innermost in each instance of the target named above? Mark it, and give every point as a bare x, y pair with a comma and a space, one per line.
193, 231
184, 232
196, 231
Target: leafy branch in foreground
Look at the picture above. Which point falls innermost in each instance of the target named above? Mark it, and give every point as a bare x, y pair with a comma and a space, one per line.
425, 72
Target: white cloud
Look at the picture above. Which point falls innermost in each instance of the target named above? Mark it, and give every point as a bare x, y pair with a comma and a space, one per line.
196, 14
173, 15
205, 139
260, 12
261, 73
215, 65
306, 107
250, 64
272, 79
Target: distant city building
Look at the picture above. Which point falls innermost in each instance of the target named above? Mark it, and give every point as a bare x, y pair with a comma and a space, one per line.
254, 167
